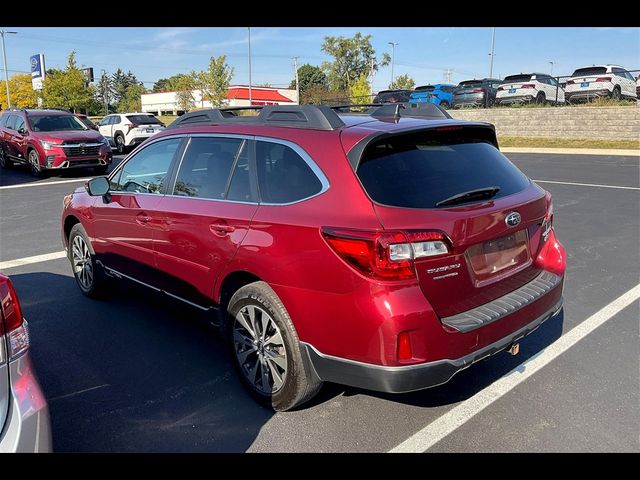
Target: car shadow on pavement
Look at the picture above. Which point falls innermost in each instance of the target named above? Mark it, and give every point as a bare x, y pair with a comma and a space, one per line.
466, 383
133, 372
20, 174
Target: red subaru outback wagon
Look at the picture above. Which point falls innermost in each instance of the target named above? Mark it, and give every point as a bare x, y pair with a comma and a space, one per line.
50, 140
386, 250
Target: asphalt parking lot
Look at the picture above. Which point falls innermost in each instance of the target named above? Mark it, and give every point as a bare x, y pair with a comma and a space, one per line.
139, 373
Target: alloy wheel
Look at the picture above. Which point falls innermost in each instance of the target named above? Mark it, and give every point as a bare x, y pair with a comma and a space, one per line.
259, 349
81, 259
34, 162
120, 144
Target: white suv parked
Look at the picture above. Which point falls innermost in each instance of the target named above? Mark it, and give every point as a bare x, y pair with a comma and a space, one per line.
610, 81
129, 129
529, 87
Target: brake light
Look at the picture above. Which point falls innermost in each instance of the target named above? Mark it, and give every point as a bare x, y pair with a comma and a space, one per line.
477, 90
603, 79
13, 324
528, 85
130, 126
570, 82
384, 255
499, 89
547, 223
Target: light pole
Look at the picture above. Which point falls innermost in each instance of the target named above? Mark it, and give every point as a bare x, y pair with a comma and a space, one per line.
250, 95
551, 74
295, 66
6, 69
492, 54
393, 51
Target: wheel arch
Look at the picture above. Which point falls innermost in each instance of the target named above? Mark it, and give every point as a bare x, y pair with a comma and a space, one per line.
69, 222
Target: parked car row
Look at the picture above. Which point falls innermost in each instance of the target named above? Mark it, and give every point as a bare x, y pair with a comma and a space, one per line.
608, 81
48, 140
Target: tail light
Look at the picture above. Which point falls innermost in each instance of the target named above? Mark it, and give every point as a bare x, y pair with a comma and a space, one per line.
385, 255
603, 79
547, 223
527, 85
499, 89
12, 323
130, 126
477, 90
570, 82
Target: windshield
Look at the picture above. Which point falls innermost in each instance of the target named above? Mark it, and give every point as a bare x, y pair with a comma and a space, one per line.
423, 169
516, 78
144, 120
582, 72
55, 123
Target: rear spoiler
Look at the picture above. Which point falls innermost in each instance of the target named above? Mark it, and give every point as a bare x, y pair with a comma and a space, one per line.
482, 130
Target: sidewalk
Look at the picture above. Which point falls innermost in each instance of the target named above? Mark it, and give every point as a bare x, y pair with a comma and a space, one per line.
573, 151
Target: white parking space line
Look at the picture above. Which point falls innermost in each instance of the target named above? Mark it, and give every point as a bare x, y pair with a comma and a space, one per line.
43, 184
588, 185
29, 260
465, 411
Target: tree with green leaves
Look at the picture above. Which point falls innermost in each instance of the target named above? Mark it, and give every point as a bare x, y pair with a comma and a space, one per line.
104, 92
403, 82
132, 100
121, 82
214, 82
310, 76
353, 57
184, 87
360, 90
66, 88
168, 84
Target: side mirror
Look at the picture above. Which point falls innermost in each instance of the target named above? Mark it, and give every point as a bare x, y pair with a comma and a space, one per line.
98, 187
22, 131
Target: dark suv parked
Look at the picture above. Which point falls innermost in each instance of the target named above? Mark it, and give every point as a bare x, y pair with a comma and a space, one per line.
476, 92
392, 96
49, 140
386, 250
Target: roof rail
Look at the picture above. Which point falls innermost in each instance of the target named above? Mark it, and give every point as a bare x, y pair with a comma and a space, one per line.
296, 116
412, 110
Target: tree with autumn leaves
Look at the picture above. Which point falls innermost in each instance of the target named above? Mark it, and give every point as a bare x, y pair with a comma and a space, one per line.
22, 94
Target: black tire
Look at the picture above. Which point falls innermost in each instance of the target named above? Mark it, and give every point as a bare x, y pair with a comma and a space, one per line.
97, 286
299, 383
33, 160
615, 93
541, 98
4, 160
120, 146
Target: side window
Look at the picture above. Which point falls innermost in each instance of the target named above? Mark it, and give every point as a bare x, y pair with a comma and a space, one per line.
628, 76
206, 167
240, 186
3, 120
105, 121
146, 172
553, 81
115, 120
19, 123
495, 85
11, 122
617, 71
283, 176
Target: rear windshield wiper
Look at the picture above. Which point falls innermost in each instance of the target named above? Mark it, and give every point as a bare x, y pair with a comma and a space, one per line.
486, 192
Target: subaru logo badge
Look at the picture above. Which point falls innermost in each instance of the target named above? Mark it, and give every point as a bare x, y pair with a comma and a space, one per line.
513, 219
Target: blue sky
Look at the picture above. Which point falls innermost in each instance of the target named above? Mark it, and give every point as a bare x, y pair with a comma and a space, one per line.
423, 53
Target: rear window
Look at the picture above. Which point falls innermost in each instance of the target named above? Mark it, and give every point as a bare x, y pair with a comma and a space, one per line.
581, 72
393, 97
144, 120
516, 78
425, 88
470, 83
420, 169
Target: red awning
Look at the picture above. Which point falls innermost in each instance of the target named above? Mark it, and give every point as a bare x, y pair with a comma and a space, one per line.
257, 94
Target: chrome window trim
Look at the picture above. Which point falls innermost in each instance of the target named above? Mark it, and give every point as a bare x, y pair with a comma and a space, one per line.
307, 159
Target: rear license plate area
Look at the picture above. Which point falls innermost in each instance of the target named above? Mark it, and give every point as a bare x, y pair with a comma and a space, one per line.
498, 258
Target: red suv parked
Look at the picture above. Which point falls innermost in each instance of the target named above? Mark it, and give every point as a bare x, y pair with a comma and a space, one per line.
48, 140
386, 250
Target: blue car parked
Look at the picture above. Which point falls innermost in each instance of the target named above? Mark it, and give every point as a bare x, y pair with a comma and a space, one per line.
440, 94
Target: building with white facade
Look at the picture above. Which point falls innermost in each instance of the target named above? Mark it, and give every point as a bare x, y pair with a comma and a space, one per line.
165, 103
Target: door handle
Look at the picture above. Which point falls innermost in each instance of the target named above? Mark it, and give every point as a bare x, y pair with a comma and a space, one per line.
221, 229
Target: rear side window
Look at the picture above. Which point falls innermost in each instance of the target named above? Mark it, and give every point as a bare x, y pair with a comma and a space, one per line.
11, 122
3, 120
207, 167
421, 169
283, 175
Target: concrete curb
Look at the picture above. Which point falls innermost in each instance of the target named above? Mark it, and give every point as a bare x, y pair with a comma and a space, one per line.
574, 151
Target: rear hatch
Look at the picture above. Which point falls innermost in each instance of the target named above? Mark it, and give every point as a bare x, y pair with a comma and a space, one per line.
585, 77
421, 94
468, 88
410, 176
513, 85
146, 124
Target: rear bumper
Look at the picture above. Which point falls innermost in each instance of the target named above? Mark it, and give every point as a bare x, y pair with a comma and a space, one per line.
459, 101
27, 427
514, 99
401, 379
586, 95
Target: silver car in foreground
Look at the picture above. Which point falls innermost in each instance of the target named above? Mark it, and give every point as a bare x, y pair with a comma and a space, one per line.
24, 414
